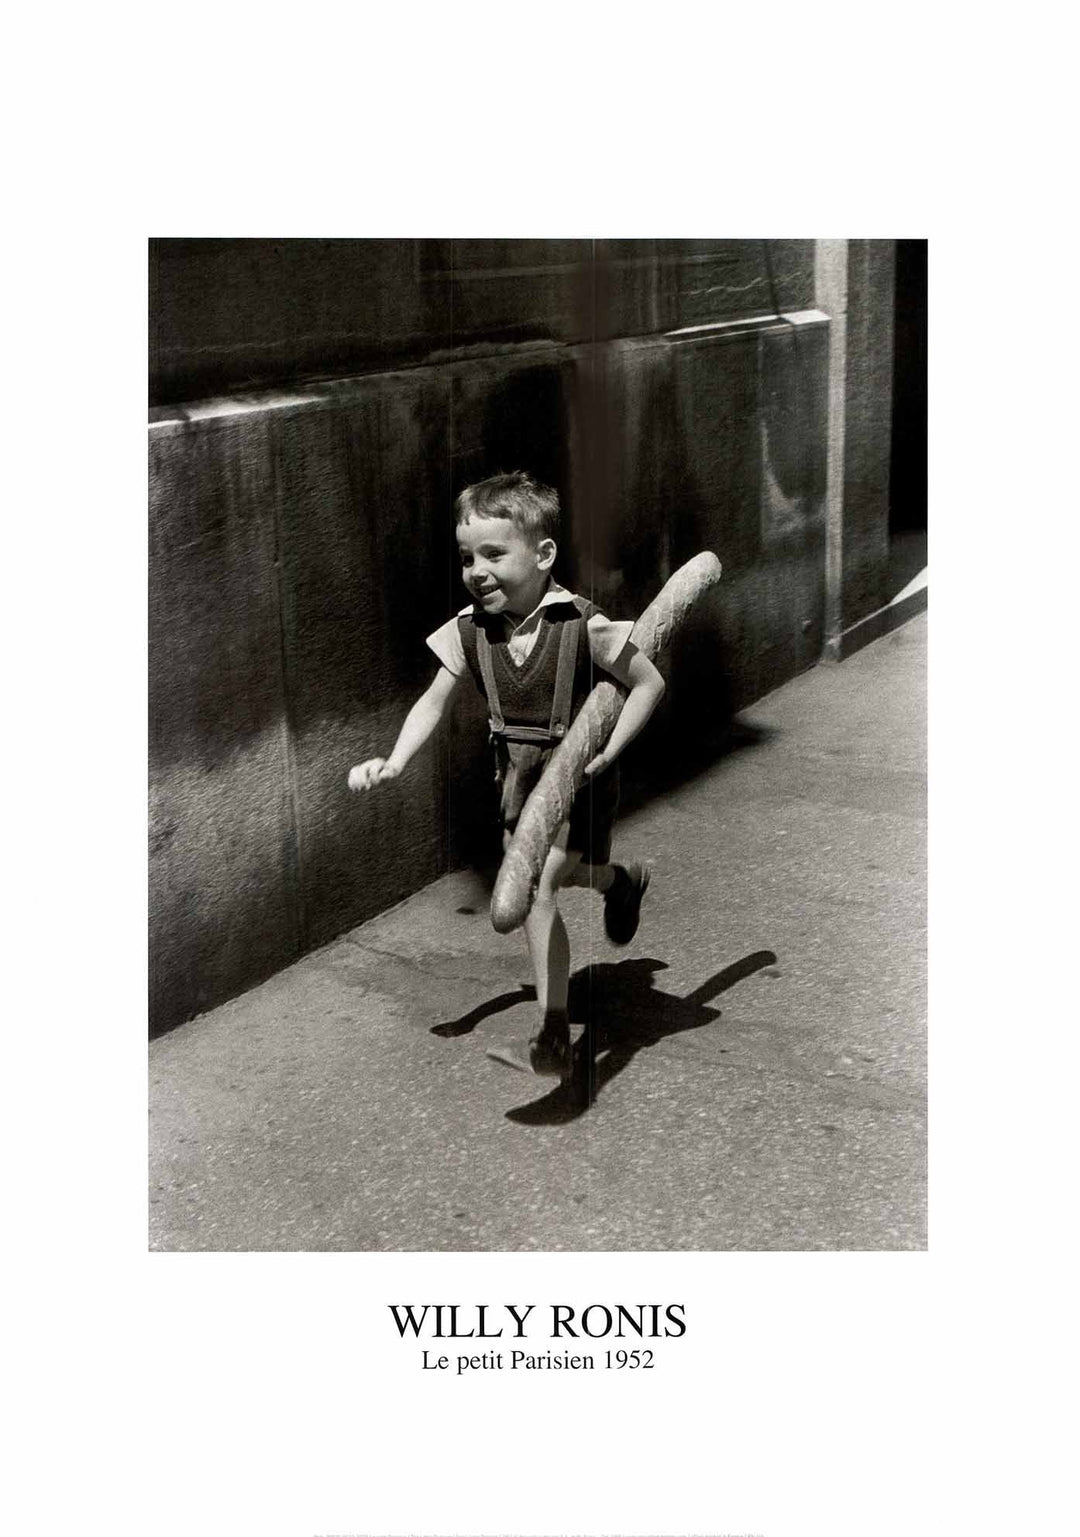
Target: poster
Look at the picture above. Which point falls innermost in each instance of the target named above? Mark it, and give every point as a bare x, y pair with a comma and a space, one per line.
809, 1392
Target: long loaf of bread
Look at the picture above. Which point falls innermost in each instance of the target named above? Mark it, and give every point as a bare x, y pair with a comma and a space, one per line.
549, 804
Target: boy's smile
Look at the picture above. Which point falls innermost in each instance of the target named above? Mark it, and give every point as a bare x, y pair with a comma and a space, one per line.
502, 568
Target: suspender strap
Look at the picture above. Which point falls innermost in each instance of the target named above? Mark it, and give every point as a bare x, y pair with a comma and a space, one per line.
562, 695
563, 699
487, 672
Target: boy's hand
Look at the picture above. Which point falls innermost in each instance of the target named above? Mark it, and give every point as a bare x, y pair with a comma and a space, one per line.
601, 761
365, 776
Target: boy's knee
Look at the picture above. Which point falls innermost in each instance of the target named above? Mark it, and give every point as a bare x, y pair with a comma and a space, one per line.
545, 907
558, 870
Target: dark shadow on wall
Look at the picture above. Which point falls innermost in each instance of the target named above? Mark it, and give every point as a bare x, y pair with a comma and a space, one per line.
521, 422
523, 426
670, 520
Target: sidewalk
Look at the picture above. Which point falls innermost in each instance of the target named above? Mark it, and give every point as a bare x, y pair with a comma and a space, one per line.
761, 1080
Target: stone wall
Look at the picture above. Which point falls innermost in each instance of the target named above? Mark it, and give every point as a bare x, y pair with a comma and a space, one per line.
302, 544
867, 430
238, 314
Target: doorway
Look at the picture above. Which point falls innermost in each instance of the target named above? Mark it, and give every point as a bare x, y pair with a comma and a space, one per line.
908, 468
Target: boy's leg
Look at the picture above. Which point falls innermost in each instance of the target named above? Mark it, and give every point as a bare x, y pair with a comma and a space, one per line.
622, 887
595, 877
549, 950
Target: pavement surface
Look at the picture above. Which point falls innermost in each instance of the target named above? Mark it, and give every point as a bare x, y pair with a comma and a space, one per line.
760, 1047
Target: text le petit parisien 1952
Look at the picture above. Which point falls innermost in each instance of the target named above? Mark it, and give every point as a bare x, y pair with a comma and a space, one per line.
479, 1336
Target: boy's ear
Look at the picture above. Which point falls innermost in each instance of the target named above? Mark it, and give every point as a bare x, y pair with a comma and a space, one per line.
546, 552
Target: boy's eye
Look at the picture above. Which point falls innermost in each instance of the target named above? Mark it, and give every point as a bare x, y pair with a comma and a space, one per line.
488, 554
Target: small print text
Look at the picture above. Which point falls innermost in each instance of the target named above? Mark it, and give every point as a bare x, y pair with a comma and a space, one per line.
538, 1361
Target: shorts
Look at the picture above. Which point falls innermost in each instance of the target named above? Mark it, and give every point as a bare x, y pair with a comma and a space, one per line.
518, 767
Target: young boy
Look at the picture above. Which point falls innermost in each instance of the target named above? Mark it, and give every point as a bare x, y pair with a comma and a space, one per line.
531, 647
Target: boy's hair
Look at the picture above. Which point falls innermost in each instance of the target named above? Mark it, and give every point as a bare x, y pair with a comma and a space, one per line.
531, 507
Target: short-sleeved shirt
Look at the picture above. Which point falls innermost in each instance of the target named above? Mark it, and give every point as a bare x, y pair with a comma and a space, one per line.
519, 765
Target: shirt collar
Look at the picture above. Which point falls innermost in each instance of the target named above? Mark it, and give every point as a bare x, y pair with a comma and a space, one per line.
553, 594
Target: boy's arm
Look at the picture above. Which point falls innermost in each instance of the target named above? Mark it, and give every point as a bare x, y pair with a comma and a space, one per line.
646, 685
418, 725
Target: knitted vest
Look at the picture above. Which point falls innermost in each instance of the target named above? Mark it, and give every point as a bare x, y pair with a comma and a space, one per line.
522, 710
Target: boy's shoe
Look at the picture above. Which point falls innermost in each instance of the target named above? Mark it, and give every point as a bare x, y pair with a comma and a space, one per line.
549, 1048
622, 902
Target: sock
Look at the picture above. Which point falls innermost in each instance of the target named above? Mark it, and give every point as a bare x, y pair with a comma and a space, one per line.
554, 1022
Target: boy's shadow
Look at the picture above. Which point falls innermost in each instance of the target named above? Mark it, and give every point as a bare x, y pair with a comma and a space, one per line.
623, 1012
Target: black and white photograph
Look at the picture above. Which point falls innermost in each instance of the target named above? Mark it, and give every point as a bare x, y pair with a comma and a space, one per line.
537, 744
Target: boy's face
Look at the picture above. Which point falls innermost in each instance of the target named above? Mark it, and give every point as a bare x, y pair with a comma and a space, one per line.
504, 571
